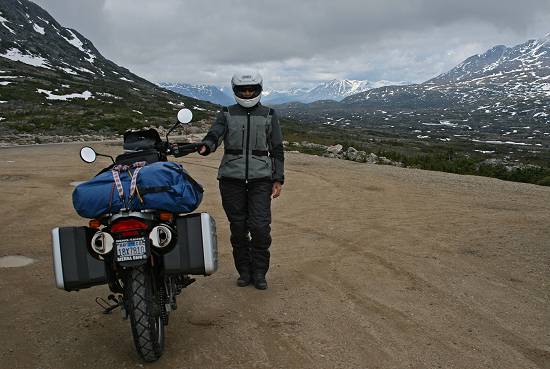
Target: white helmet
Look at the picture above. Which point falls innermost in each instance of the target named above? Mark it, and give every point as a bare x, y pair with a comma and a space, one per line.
247, 81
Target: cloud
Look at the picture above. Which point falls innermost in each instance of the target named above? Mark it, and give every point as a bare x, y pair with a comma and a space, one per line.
298, 43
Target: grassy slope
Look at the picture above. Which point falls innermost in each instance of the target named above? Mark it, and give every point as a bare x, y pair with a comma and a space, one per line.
455, 157
27, 110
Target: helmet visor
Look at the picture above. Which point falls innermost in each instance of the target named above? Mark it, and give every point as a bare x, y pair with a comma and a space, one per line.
247, 91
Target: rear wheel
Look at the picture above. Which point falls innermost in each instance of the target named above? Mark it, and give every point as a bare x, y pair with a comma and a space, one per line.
142, 304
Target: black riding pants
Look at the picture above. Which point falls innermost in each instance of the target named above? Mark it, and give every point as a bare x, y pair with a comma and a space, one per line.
248, 208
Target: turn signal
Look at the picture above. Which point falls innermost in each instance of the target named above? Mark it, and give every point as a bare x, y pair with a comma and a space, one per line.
94, 223
102, 243
166, 216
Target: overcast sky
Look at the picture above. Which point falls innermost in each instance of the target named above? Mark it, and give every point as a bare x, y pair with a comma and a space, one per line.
298, 43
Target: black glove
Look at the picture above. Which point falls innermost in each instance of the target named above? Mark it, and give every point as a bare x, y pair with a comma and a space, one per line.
206, 151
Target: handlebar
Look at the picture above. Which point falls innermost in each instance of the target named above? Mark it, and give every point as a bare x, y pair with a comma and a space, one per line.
183, 149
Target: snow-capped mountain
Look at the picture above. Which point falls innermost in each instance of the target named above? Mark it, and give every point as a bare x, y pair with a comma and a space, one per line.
331, 90
517, 74
209, 93
335, 89
31, 36
45, 64
502, 62
500, 97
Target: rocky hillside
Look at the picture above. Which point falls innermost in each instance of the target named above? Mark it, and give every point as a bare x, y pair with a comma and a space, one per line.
54, 81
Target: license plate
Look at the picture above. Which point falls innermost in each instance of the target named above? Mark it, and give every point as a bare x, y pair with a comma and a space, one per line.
131, 249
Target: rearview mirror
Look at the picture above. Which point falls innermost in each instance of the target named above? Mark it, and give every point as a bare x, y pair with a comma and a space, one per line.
185, 116
88, 154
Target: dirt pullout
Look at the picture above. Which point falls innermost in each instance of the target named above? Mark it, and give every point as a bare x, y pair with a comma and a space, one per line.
372, 267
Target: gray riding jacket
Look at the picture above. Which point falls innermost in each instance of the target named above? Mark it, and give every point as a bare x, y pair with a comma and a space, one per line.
253, 143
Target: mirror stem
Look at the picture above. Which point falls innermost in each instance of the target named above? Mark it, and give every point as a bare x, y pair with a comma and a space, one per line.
170, 130
107, 156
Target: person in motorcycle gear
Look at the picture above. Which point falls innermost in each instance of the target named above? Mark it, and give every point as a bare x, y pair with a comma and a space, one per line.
251, 173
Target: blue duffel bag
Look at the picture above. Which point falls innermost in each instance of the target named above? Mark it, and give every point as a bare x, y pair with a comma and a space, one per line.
162, 185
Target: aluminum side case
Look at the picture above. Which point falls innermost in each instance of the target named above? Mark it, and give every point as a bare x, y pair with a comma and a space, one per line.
196, 249
74, 267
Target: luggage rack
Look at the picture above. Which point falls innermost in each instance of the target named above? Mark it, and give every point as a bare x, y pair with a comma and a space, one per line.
144, 214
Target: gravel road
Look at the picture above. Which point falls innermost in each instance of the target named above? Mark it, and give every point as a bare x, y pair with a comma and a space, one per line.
372, 267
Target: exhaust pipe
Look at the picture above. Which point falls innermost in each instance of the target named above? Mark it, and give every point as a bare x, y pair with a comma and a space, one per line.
102, 243
161, 236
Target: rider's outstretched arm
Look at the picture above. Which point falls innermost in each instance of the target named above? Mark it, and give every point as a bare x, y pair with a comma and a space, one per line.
215, 135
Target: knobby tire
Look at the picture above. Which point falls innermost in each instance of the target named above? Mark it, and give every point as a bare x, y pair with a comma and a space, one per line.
144, 312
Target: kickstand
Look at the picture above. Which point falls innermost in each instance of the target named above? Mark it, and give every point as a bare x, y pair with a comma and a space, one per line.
106, 306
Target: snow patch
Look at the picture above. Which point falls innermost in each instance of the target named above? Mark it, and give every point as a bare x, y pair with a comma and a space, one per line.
137, 111
43, 20
16, 55
198, 108
4, 83
4, 21
85, 95
2, 118
38, 29
106, 94
68, 70
504, 143
176, 104
84, 70
76, 42
125, 79
3, 102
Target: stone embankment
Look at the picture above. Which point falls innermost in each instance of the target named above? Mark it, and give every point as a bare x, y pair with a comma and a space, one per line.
337, 151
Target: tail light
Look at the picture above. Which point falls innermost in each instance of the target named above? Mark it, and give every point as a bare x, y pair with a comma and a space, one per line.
128, 227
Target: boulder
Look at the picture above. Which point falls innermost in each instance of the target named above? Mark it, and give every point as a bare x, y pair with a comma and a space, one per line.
351, 153
361, 157
371, 158
335, 149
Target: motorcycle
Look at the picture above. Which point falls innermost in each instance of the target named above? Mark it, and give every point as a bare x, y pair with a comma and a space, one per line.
146, 255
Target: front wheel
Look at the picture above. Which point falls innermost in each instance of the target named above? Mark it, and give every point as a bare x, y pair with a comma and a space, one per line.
142, 305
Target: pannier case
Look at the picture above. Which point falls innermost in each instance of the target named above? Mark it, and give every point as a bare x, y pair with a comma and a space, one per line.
74, 267
196, 249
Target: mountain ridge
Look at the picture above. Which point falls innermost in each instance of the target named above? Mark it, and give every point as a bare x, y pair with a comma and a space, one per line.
53, 79
336, 89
